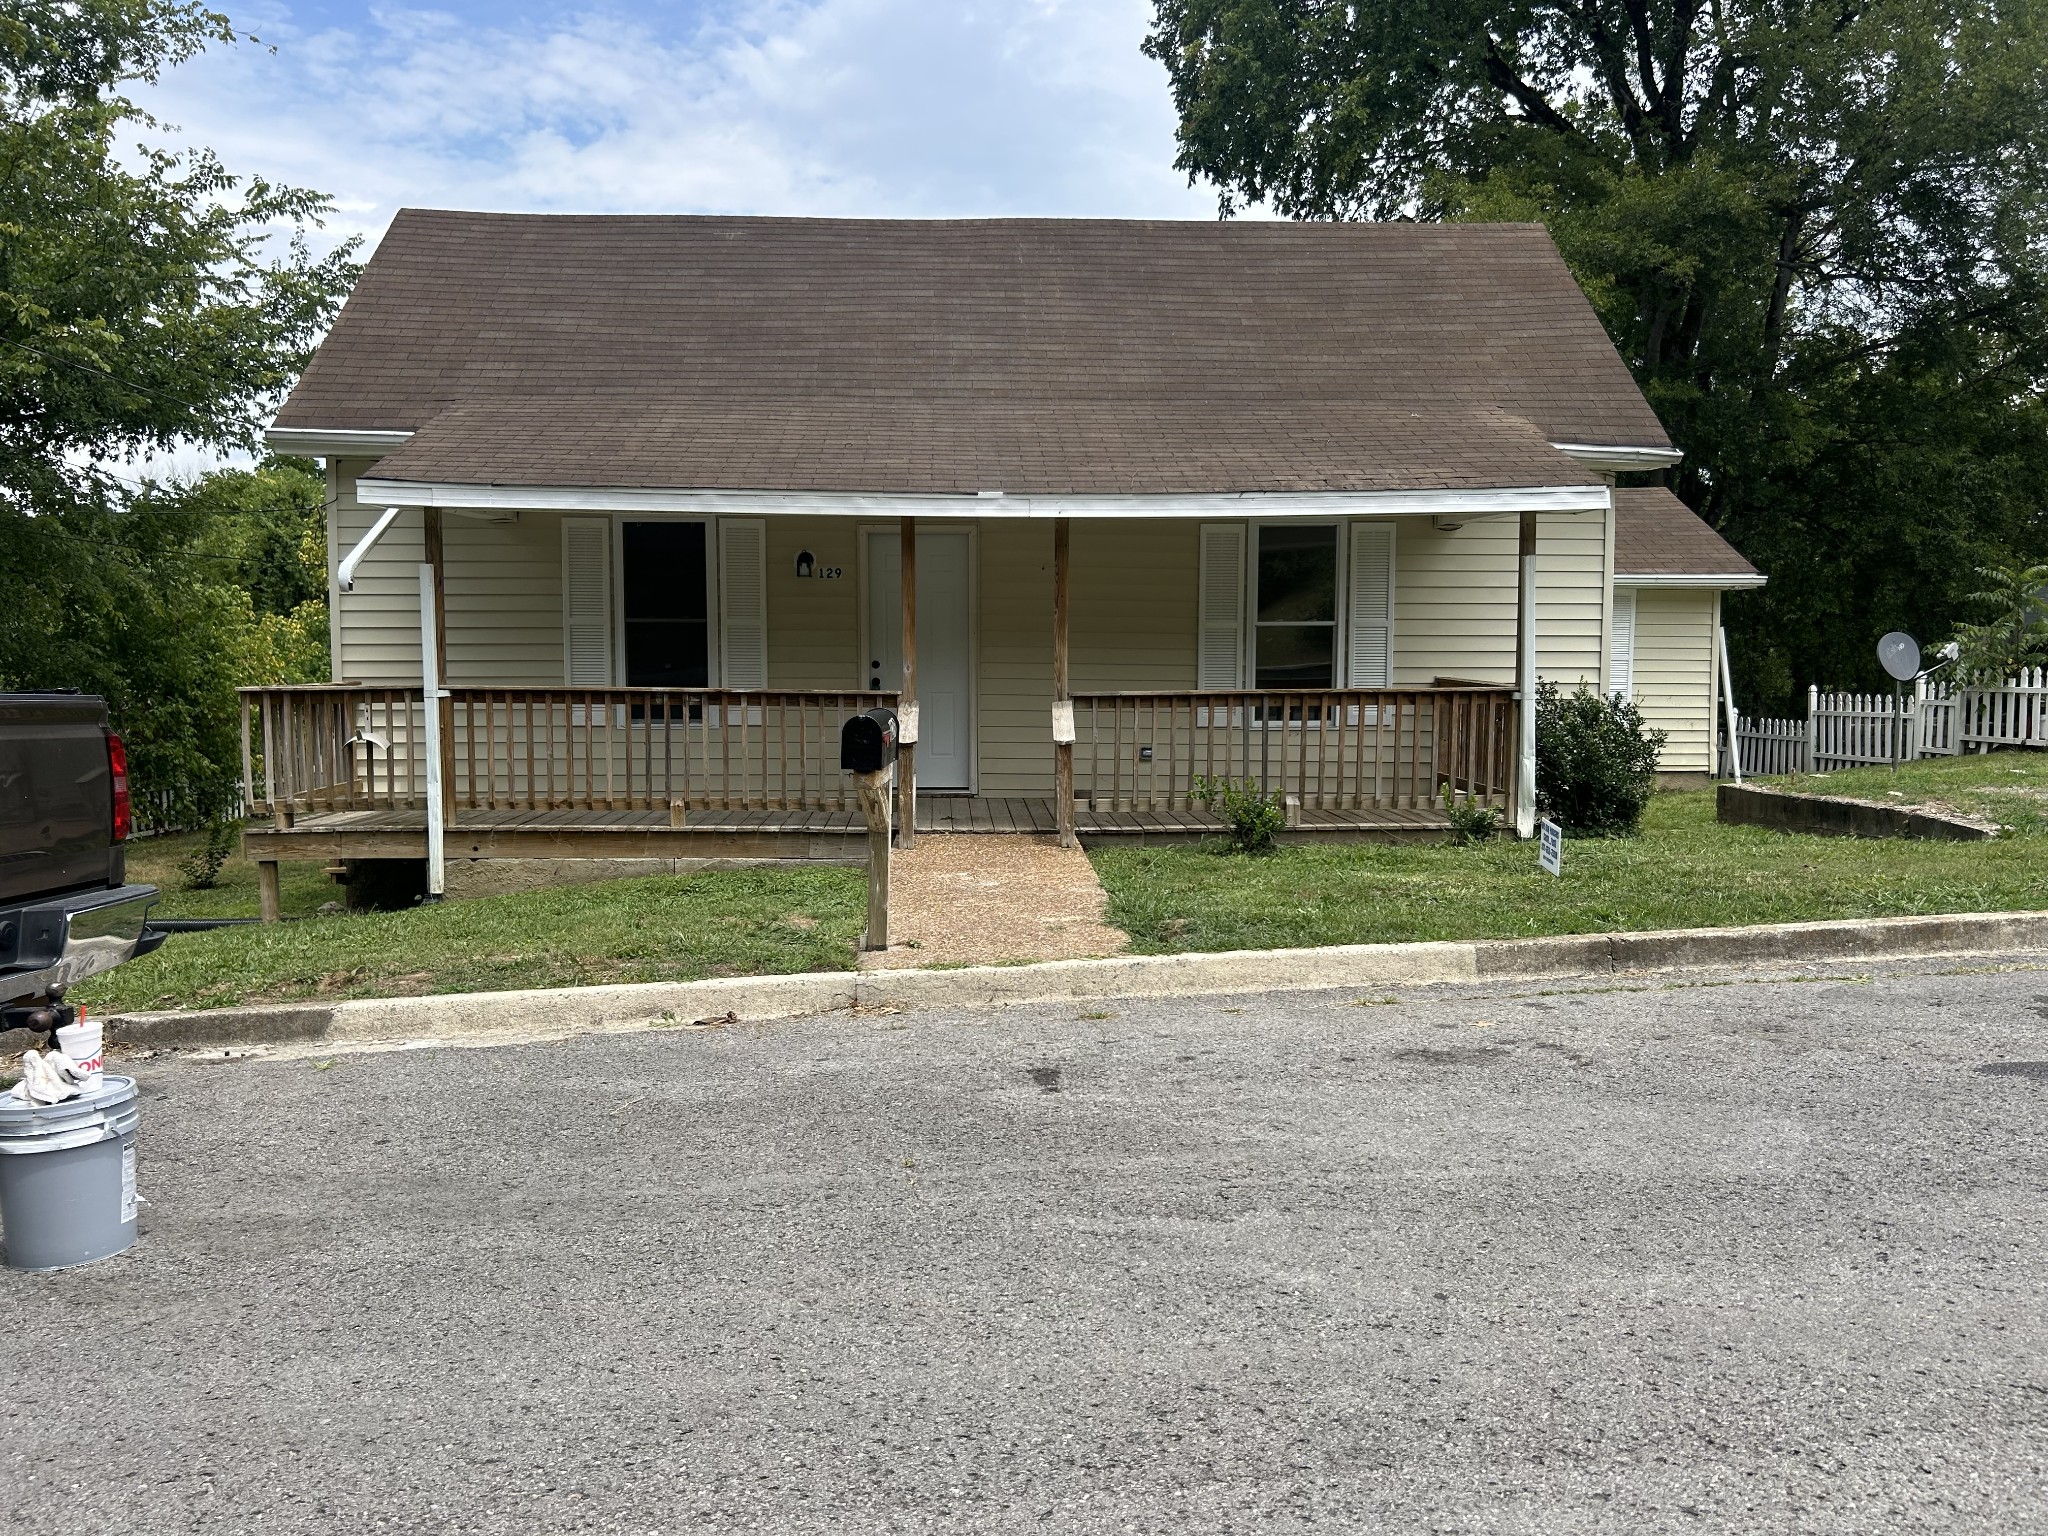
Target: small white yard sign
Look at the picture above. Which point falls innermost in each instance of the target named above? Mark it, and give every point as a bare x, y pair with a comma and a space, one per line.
1550, 846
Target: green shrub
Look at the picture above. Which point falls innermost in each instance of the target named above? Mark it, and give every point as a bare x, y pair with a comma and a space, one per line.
1470, 822
201, 867
1596, 762
1255, 817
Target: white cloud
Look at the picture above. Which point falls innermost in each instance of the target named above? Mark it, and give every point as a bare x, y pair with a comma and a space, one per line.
872, 107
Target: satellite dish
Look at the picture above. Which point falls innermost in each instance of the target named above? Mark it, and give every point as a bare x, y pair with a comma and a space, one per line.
1899, 653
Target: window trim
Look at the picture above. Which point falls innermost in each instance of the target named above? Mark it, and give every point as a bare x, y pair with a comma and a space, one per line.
711, 645
1339, 626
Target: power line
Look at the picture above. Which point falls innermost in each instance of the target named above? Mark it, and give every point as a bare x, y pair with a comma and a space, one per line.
72, 362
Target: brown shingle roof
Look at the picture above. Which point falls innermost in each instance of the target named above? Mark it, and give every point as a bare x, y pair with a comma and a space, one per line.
1656, 534
880, 444
1072, 355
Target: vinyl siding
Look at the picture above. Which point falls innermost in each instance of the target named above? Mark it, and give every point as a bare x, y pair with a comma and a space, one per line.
503, 584
1134, 606
1133, 623
1674, 678
1013, 685
813, 623
1454, 600
377, 626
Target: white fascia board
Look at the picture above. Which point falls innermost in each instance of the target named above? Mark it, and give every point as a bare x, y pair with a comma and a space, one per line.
995, 505
1614, 457
1718, 583
332, 442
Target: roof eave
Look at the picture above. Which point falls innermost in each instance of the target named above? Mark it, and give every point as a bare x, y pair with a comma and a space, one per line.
1619, 458
993, 504
1726, 583
333, 442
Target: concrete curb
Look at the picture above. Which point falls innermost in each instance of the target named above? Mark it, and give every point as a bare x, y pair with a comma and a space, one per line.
572, 1010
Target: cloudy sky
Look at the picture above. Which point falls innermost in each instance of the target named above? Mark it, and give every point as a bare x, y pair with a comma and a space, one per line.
881, 107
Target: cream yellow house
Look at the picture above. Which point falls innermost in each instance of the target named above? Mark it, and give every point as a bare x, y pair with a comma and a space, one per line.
656, 502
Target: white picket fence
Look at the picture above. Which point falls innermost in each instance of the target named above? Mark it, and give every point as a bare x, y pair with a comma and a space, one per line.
160, 812
1845, 730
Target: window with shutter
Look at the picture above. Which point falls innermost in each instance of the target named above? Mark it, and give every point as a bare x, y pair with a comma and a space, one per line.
742, 603
1220, 646
664, 594
1371, 612
1621, 660
1296, 580
587, 601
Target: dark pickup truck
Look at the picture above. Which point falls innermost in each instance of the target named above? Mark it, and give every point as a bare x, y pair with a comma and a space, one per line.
66, 908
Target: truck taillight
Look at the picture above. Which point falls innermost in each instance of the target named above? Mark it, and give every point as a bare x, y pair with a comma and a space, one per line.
124, 808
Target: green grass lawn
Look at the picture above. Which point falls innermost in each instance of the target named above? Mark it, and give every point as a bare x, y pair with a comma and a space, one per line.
2009, 788
666, 928
303, 888
1684, 871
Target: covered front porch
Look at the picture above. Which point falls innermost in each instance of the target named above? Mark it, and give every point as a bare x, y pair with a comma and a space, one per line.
344, 771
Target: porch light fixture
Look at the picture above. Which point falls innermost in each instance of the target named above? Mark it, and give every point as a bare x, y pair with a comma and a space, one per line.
803, 565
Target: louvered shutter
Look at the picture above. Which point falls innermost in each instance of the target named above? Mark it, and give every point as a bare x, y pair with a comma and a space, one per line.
742, 603
1370, 614
587, 601
1621, 658
1220, 659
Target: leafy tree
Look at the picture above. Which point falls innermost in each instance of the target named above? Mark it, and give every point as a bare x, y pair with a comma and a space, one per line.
1814, 231
2016, 635
146, 303
166, 605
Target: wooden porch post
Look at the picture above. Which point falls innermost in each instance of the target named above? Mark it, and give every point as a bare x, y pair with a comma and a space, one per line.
268, 897
1525, 681
1062, 693
906, 704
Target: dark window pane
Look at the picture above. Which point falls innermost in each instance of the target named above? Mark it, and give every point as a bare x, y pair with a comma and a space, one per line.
663, 655
1297, 574
664, 571
668, 634
1296, 656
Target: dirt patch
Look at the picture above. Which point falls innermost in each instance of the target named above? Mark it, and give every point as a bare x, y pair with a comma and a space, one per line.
984, 898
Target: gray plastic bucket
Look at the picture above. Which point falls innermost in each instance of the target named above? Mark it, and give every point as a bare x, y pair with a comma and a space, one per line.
67, 1177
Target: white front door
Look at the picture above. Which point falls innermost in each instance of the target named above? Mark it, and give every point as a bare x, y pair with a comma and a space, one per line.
945, 654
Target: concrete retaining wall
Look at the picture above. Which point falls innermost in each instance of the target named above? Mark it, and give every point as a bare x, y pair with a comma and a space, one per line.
1747, 805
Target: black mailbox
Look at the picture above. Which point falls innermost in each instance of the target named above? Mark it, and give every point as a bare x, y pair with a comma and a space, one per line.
867, 742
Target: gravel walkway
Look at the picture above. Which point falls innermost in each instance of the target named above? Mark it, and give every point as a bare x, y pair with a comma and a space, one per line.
981, 898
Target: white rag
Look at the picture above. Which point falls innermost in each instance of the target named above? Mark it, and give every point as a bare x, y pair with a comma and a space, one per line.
48, 1077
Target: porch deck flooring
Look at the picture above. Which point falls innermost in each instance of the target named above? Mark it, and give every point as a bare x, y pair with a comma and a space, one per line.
935, 813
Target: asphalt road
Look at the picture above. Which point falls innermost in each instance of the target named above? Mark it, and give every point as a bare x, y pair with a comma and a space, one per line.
1744, 1258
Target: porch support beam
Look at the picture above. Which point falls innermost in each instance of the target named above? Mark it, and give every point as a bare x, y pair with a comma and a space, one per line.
1525, 682
440, 754
906, 704
1062, 691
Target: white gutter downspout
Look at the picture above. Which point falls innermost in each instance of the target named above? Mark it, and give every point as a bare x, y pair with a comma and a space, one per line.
345, 578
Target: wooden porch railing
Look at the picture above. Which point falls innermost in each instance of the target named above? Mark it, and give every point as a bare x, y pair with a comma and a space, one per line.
334, 747
1349, 749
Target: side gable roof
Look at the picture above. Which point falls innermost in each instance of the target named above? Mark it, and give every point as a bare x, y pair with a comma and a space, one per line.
1657, 535
1056, 355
